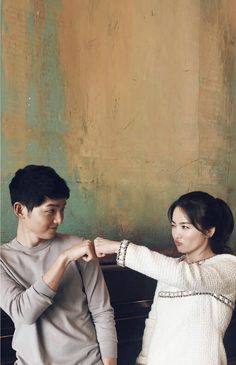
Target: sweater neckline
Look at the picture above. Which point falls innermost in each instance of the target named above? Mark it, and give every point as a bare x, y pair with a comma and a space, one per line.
199, 262
41, 246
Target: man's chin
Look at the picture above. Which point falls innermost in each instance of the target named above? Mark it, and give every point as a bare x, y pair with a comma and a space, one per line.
50, 234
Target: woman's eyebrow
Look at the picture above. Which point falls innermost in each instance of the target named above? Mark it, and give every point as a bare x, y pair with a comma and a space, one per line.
181, 222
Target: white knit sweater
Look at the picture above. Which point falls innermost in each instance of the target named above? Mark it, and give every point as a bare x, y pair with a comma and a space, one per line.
192, 307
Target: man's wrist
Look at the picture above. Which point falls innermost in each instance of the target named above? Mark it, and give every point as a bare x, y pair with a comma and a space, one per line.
64, 258
109, 361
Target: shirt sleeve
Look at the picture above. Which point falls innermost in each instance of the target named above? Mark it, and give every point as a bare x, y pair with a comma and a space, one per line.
148, 332
100, 308
214, 275
23, 305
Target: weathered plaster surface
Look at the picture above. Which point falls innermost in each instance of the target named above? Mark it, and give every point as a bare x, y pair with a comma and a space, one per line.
133, 102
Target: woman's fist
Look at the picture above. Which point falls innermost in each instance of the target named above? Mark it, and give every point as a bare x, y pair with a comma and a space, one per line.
105, 247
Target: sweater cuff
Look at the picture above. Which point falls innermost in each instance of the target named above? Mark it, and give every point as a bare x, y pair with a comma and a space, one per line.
130, 254
108, 350
42, 288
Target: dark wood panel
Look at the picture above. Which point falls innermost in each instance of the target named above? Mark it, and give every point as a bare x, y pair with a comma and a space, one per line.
230, 339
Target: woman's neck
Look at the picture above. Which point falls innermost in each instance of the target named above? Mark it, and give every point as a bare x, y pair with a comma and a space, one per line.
199, 256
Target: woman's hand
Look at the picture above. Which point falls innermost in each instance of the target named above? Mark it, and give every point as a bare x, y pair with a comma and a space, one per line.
84, 250
105, 247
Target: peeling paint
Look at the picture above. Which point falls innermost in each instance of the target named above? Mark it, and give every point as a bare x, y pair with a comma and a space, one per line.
133, 103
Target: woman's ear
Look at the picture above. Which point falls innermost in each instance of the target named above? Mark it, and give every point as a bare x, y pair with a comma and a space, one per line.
210, 232
19, 210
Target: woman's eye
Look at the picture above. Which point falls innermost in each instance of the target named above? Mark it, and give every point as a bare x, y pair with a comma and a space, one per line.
185, 227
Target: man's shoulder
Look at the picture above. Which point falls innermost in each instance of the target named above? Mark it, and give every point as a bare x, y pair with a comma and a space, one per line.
7, 246
64, 240
65, 237
7, 251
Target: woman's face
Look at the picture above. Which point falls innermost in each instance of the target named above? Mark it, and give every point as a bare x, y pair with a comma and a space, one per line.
187, 238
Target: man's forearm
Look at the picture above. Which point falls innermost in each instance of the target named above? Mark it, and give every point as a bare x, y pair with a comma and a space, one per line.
54, 275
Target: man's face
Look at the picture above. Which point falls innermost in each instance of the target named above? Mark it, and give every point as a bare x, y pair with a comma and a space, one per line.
42, 222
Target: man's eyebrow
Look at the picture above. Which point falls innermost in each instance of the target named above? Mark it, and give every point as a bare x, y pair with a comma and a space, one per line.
51, 205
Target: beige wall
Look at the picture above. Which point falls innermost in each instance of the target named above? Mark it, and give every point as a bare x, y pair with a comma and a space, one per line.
132, 101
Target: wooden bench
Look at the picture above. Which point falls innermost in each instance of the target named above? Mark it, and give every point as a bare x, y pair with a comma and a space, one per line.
131, 296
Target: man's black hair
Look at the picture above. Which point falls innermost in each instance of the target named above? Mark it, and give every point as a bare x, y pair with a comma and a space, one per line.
33, 184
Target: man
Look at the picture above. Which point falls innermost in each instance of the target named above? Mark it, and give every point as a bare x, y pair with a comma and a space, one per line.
50, 285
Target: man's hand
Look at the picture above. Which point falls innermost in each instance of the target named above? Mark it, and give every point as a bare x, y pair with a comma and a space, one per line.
84, 250
105, 247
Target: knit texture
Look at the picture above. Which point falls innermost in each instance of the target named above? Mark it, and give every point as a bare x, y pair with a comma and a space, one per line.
72, 326
187, 322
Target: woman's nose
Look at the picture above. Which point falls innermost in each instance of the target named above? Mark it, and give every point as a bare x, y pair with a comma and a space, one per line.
177, 233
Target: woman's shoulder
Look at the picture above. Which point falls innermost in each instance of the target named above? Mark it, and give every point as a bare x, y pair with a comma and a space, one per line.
225, 259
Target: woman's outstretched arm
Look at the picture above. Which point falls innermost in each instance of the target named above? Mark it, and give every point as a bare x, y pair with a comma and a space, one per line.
217, 274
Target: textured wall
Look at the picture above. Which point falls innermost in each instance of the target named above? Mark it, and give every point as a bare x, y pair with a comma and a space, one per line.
133, 102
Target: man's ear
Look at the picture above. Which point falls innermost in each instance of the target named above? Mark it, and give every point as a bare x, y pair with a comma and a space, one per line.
211, 231
20, 210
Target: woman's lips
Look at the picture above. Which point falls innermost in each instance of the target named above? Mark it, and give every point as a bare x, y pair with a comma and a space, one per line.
178, 243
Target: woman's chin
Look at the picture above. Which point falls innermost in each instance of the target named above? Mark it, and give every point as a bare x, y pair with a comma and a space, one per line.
180, 249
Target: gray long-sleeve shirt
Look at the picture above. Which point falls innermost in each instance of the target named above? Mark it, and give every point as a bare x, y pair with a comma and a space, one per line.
73, 326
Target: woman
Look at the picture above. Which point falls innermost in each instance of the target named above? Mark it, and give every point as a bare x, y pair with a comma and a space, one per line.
196, 293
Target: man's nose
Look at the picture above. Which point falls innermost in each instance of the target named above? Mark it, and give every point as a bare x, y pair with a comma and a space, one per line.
58, 218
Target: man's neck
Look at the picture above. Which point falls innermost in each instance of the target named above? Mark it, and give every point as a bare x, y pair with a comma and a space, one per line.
27, 239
